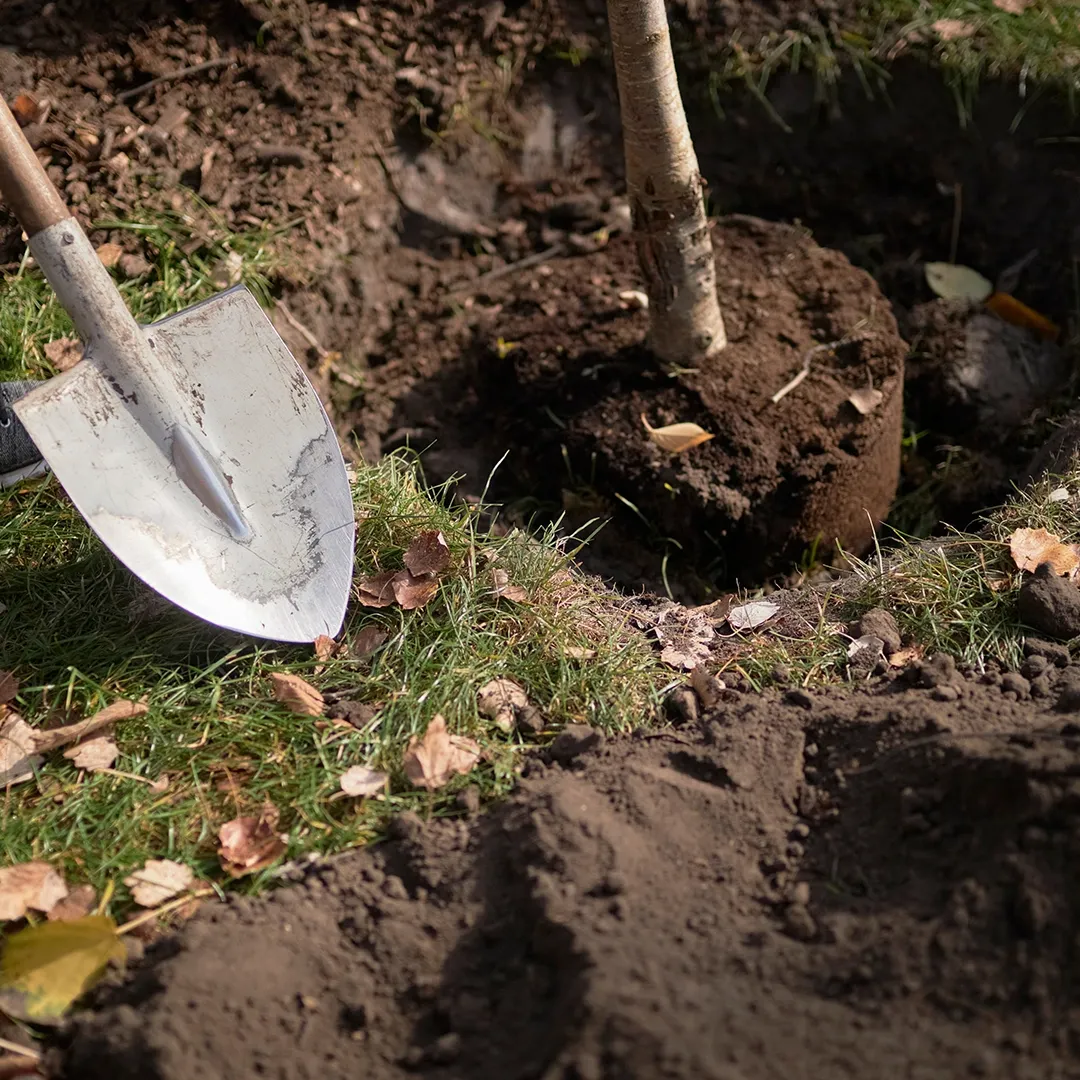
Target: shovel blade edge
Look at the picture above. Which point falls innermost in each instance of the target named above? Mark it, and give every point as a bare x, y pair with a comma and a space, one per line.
229, 382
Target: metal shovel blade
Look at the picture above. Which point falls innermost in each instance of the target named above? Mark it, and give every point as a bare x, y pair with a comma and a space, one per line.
226, 491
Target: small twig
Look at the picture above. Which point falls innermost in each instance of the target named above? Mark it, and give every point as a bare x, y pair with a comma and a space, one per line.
15, 1048
325, 355
172, 905
808, 357
510, 268
172, 76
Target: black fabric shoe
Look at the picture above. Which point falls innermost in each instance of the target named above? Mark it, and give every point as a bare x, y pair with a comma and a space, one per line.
19, 457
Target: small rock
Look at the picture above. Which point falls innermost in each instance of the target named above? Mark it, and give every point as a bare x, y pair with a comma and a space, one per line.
945, 693
879, 623
394, 888
1050, 604
1051, 651
781, 675
134, 266
573, 741
799, 698
405, 826
1014, 681
799, 923
800, 830
800, 894
445, 1049
1034, 666
1040, 686
529, 720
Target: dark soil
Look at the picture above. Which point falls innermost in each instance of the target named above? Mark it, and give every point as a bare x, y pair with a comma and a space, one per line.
800, 887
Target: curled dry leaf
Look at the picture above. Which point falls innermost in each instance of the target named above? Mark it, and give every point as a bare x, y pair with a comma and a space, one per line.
297, 695
361, 781
675, 438
249, 844
432, 761
577, 652
367, 640
76, 905
505, 590
325, 647
159, 880
64, 353
94, 754
413, 592
1032, 547
866, 400
377, 590
429, 553
32, 886
500, 700
18, 750
1013, 7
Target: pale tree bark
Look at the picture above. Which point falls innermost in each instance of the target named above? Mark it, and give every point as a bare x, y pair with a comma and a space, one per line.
665, 188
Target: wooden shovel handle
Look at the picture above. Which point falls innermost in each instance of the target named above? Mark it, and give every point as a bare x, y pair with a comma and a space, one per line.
24, 184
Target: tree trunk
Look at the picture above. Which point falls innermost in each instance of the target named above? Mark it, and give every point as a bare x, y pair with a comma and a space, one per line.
671, 229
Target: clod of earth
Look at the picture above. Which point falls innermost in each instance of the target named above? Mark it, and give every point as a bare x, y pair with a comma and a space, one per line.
500, 701
433, 761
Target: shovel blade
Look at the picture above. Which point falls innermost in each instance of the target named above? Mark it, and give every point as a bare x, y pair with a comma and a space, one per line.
273, 555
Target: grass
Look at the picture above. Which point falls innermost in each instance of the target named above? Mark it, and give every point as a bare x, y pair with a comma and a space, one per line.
79, 632
1039, 47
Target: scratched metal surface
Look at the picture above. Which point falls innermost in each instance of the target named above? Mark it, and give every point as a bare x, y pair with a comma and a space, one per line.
222, 372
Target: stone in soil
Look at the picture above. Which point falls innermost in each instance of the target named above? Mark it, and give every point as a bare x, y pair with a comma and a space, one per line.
773, 892
1050, 604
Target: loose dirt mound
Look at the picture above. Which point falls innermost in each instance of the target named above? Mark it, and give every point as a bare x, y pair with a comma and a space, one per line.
795, 887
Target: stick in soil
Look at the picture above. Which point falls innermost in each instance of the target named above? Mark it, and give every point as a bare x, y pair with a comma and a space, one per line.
808, 357
172, 76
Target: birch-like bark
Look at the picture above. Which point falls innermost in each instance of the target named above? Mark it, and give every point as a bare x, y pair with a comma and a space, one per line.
665, 188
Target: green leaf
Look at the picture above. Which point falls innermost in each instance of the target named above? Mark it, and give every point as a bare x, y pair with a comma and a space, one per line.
46, 967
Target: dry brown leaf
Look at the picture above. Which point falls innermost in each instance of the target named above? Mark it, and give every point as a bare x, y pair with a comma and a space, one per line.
377, 590
675, 438
94, 754
9, 687
428, 554
413, 592
367, 641
1014, 7
29, 886
505, 590
325, 647
78, 903
432, 761
499, 700
1032, 547
159, 880
161, 784
362, 781
18, 750
297, 695
953, 29
576, 652
109, 254
64, 353
906, 657
249, 844
866, 400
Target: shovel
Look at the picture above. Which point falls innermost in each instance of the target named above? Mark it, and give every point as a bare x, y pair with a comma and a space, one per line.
196, 447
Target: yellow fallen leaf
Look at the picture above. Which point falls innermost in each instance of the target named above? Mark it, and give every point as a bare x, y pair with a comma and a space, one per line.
46, 967
1030, 548
952, 282
30, 885
675, 438
432, 761
297, 695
